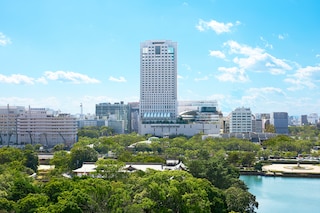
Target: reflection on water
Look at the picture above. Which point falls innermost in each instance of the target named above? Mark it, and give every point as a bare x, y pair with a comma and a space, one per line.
284, 194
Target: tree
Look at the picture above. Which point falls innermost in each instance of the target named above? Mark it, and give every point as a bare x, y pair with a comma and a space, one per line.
78, 155
216, 170
31, 202
31, 160
21, 187
10, 154
176, 191
61, 161
270, 128
55, 187
90, 132
234, 158
248, 158
240, 200
110, 169
106, 131
6, 205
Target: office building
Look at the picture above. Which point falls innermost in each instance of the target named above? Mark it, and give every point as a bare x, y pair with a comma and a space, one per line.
134, 116
158, 109
43, 126
117, 116
313, 118
158, 81
280, 122
304, 120
241, 120
200, 111
8, 124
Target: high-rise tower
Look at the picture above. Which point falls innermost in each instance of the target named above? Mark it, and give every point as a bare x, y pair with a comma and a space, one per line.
158, 81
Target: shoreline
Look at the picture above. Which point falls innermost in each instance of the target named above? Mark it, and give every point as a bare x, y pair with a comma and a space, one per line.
286, 170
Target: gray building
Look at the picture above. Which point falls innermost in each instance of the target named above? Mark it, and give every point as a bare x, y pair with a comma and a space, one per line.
304, 120
280, 122
117, 116
134, 116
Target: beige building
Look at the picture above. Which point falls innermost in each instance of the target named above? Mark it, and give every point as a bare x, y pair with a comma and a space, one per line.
19, 126
8, 123
41, 126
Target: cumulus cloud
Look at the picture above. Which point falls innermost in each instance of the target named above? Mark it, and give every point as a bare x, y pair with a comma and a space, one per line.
205, 78
306, 77
217, 53
62, 76
4, 40
16, 79
282, 36
232, 74
256, 59
266, 43
218, 27
70, 77
120, 79
265, 90
187, 67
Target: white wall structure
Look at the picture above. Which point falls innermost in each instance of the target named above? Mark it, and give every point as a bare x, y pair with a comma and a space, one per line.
165, 130
313, 118
241, 120
158, 81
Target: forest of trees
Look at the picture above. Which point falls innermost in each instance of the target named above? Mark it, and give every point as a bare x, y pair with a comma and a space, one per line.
211, 183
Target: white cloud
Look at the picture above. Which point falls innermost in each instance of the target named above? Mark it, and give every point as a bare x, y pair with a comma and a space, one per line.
62, 76
218, 27
42, 80
256, 59
265, 90
188, 67
282, 36
217, 53
48, 102
205, 78
4, 40
304, 77
266, 43
71, 77
232, 74
180, 77
318, 56
16, 79
120, 79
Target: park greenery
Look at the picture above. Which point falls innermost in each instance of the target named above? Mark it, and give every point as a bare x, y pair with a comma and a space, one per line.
210, 184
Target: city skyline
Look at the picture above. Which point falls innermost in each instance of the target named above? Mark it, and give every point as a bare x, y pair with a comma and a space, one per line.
263, 55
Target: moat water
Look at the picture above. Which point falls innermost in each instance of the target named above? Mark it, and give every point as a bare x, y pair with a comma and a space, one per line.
285, 194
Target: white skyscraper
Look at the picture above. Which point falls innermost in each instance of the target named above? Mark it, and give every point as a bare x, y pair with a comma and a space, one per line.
158, 81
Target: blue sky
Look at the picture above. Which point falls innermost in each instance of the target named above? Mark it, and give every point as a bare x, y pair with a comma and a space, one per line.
260, 54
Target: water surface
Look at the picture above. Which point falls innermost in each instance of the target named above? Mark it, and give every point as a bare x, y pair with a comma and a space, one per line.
285, 194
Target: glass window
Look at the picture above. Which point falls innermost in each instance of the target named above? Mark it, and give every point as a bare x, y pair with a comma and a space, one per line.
158, 50
145, 50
